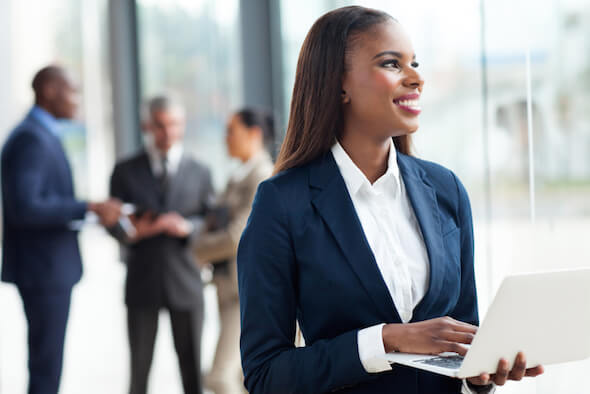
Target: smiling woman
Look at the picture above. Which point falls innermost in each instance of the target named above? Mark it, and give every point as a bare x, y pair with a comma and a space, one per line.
368, 247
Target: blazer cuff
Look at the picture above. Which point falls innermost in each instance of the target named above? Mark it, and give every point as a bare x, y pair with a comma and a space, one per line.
371, 349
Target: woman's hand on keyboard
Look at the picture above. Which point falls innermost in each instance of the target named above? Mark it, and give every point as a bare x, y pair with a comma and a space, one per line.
435, 336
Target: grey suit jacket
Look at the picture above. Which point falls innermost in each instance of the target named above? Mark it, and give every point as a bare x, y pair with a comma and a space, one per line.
223, 244
161, 270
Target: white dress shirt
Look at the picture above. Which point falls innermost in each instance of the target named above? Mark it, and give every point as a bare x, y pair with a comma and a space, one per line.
173, 158
393, 233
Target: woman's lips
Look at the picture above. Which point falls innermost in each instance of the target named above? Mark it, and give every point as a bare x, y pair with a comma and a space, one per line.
408, 105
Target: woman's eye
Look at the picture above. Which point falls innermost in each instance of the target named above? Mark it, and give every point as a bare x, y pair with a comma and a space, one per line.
391, 63
415, 64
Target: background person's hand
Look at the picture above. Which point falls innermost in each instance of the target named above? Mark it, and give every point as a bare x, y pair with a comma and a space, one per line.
145, 226
108, 211
503, 374
174, 225
435, 336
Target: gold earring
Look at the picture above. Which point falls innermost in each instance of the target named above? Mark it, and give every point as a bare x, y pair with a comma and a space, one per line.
345, 97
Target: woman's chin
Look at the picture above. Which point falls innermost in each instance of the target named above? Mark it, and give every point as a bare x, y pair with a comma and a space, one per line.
408, 130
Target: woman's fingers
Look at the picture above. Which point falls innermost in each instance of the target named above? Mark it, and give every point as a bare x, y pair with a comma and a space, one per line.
501, 375
449, 346
481, 380
519, 367
459, 337
535, 371
460, 326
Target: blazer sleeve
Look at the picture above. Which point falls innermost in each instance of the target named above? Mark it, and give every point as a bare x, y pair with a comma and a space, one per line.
268, 302
466, 308
206, 195
117, 190
27, 205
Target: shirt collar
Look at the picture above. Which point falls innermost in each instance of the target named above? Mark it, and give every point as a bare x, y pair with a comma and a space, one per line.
246, 168
354, 177
173, 158
46, 119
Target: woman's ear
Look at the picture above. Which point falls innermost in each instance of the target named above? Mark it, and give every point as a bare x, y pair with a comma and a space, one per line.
345, 97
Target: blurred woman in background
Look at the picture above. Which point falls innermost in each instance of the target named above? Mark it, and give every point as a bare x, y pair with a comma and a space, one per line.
249, 132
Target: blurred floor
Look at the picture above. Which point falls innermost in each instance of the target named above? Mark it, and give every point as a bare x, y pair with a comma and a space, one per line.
96, 354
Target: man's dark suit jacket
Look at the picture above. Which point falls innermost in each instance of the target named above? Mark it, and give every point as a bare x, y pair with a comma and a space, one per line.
304, 256
161, 270
39, 250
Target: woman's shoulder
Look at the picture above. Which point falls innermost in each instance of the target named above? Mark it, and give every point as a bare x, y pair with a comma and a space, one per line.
429, 167
292, 178
283, 185
288, 188
444, 180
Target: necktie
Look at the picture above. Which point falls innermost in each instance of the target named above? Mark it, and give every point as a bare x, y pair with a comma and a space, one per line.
164, 179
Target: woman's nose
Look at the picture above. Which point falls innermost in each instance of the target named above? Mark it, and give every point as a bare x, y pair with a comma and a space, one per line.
414, 79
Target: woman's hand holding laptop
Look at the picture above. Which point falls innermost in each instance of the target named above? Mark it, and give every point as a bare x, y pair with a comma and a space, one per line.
445, 334
503, 374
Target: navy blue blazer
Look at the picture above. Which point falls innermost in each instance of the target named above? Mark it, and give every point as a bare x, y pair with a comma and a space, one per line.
39, 250
304, 256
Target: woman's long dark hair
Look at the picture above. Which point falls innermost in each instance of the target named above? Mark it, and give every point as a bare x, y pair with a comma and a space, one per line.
316, 115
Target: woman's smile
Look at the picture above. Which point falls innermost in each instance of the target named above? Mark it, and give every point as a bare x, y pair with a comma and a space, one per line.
409, 103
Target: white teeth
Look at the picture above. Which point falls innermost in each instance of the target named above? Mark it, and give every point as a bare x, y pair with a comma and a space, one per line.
408, 103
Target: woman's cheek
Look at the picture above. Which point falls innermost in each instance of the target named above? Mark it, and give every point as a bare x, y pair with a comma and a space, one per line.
385, 81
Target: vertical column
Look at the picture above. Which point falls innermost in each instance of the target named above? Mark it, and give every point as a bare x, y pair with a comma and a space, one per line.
99, 146
262, 56
125, 75
6, 77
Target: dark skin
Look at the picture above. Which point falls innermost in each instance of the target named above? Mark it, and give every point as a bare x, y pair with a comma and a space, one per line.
381, 88
57, 93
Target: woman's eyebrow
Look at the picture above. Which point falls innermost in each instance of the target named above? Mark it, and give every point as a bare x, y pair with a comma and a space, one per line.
393, 53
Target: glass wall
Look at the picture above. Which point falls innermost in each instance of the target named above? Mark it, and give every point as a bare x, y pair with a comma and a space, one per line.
516, 132
35, 34
73, 34
192, 49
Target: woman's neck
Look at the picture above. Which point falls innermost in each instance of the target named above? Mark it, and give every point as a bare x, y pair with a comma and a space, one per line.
248, 155
370, 155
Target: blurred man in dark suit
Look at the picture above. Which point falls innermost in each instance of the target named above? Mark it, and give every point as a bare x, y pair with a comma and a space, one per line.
170, 192
40, 253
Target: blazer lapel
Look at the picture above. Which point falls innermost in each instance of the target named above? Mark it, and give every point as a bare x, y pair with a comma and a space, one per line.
175, 185
334, 204
146, 177
423, 199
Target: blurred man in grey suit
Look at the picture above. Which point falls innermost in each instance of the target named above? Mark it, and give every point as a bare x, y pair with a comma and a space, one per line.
169, 192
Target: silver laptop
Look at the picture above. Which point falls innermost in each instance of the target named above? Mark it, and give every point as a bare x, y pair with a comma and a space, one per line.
545, 315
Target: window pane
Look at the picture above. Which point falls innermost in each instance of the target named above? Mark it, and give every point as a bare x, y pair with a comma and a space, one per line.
191, 48
73, 34
59, 37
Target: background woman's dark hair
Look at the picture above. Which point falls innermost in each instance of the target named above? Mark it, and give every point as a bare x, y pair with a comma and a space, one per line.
264, 119
316, 115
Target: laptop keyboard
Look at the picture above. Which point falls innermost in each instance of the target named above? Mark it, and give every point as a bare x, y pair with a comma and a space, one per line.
449, 362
